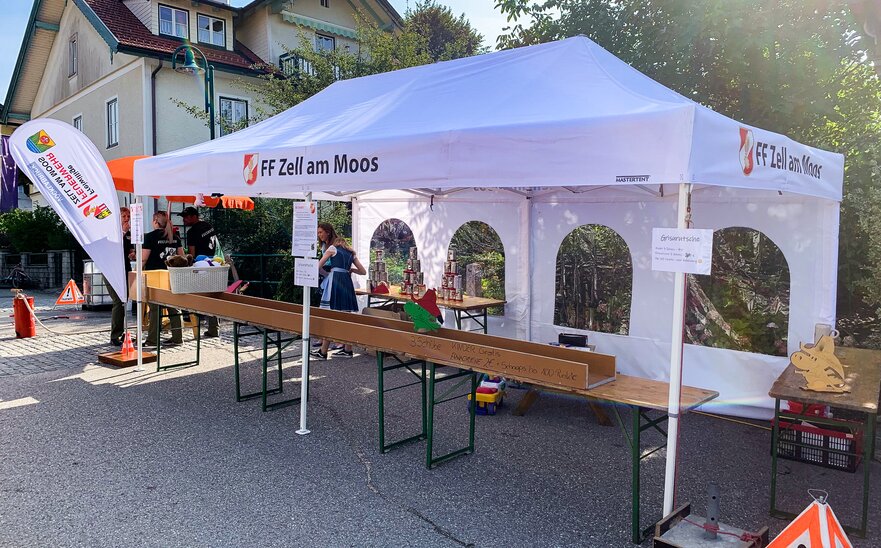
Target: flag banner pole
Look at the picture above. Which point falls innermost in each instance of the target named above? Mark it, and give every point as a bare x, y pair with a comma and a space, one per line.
307, 345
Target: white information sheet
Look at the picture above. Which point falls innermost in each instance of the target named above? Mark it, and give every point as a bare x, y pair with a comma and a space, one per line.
137, 222
306, 272
305, 241
686, 250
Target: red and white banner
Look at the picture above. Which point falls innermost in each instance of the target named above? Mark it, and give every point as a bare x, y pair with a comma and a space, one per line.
73, 178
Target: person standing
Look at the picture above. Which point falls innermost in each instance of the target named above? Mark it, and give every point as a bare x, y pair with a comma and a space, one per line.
201, 240
158, 246
338, 291
117, 313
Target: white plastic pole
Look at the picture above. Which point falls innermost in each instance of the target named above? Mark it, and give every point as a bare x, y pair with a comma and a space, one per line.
139, 247
307, 346
673, 405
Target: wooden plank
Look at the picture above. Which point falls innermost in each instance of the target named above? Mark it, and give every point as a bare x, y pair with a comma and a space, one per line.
528, 362
467, 303
572, 371
649, 393
862, 374
118, 359
603, 364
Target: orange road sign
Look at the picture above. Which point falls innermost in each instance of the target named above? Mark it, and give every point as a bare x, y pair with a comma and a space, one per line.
70, 295
815, 527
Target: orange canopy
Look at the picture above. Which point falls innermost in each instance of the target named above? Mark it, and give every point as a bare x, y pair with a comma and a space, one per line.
123, 172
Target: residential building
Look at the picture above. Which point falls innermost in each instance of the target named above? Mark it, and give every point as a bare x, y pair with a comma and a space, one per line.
104, 66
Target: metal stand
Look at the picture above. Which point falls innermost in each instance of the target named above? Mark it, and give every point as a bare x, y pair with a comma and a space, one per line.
479, 317
637, 427
428, 383
269, 338
382, 369
430, 460
158, 329
867, 427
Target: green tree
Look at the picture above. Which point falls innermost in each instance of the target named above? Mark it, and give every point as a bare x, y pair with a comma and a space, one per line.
34, 231
445, 35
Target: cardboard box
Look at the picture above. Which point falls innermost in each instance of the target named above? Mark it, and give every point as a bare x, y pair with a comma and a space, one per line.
154, 278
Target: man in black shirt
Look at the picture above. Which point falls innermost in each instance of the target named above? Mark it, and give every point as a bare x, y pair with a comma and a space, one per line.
158, 246
201, 240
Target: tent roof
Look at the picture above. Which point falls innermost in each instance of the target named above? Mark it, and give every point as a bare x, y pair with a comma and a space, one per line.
565, 113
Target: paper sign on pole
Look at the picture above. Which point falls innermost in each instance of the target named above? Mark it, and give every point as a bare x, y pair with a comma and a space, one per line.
70, 295
686, 250
305, 239
73, 178
137, 223
306, 272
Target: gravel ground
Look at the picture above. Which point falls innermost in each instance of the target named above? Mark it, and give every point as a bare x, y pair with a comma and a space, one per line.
97, 456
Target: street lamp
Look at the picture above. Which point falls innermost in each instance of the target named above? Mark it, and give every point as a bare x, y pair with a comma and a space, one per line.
190, 66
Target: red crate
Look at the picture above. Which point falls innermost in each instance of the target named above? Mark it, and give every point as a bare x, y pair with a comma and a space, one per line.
817, 442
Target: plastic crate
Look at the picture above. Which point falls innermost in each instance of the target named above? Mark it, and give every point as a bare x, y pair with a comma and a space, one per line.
188, 279
816, 443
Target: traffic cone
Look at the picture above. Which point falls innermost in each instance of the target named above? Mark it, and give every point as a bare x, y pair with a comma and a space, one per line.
128, 349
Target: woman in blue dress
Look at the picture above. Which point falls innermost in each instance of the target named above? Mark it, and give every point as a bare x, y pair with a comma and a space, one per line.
339, 262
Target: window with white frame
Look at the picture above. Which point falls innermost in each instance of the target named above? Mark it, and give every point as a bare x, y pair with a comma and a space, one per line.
78, 122
72, 56
325, 3
324, 42
211, 30
112, 122
174, 22
233, 113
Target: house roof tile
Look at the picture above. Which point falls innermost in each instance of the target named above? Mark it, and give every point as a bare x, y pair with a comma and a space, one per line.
132, 34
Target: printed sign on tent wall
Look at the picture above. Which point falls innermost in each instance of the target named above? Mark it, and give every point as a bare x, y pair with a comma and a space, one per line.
686, 250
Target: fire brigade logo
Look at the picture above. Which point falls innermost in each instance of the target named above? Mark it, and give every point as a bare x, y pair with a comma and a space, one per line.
747, 160
40, 142
100, 211
249, 171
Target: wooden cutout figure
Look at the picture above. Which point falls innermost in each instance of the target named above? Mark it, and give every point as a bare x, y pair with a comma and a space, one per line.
819, 366
424, 312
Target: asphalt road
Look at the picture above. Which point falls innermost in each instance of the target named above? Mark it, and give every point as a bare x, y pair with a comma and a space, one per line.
97, 456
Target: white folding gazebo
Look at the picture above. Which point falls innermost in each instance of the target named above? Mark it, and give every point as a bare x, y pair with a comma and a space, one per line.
536, 141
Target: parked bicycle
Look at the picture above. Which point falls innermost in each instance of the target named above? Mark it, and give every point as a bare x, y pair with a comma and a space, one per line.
18, 278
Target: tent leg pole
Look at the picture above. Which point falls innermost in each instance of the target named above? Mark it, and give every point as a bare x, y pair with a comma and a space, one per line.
673, 406
307, 346
139, 246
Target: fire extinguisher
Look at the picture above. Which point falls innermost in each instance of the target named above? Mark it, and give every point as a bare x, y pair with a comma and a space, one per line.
25, 322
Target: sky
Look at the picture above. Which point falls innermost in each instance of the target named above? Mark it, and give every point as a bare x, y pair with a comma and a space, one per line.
480, 13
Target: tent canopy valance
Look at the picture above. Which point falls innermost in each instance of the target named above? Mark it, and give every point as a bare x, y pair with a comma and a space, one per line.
122, 171
562, 114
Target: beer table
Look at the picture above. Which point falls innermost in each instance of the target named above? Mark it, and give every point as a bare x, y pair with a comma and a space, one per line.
646, 399
863, 375
469, 308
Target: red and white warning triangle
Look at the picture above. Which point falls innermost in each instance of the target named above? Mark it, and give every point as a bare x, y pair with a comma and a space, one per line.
70, 295
815, 527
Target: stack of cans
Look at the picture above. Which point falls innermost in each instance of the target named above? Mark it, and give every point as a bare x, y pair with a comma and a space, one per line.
377, 273
451, 282
413, 283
